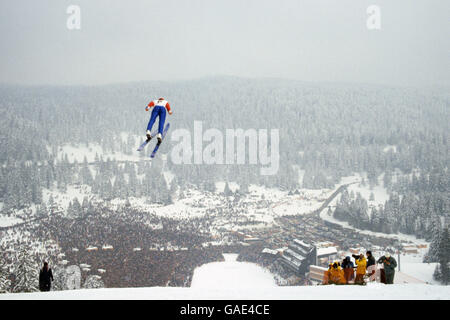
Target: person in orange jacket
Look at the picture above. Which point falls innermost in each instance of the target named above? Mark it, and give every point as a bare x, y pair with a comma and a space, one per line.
327, 274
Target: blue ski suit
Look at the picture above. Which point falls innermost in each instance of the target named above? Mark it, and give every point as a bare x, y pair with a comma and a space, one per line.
159, 110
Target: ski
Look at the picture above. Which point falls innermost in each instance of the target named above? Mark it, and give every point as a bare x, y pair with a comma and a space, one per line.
142, 146
159, 143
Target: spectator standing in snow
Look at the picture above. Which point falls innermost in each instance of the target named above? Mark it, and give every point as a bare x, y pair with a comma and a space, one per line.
361, 264
371, 266
45, 278
389, 265
348, 266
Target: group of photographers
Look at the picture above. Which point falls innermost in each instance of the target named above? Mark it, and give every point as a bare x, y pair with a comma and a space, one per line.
347, 272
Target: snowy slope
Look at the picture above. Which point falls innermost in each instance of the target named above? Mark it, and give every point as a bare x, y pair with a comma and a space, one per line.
373, 292
233, 275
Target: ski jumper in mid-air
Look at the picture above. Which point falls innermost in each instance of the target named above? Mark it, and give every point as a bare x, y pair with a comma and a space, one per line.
159, 110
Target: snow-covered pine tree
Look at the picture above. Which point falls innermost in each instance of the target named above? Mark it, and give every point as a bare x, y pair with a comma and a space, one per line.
26, 272
41, 211
169, 199
93, 282
444, 256
133, 183
85, 173
74, 210
131, 144
227, 191
433, 252
244, 187
5, 283
85, 207
437, 273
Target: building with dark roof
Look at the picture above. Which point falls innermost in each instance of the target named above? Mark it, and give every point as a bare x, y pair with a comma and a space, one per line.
298, 257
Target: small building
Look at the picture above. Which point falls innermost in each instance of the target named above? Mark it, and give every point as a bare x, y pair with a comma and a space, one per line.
410, 249
252, 240
325, 255
269, 251
317, 273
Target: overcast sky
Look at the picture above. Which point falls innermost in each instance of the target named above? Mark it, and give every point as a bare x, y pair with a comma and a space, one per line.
314, 40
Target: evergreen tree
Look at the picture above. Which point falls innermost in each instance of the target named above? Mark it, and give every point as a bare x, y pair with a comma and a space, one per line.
74, 210
227, 191
27, 275
119, 188
86, 175
5, 283
93, 282
433, 251
41, 211
133, 182
86, 206
444, 257
243, 189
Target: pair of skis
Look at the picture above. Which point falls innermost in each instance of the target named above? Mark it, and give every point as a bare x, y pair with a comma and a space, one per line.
142, 146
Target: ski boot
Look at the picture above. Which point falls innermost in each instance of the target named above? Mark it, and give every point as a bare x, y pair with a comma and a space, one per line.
149, 135
159, 137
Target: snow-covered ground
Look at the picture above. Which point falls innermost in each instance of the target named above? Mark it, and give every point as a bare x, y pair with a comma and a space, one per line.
231, 275
412, 265
62, 199
79, 152
375, 291
197, 203
242, 280
6, 221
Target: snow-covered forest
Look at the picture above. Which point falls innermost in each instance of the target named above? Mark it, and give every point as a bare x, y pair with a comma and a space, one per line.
397, 137
327, 131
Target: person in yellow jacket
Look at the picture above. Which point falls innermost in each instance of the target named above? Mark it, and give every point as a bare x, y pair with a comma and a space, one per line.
336, 274
361, 264
326, 274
